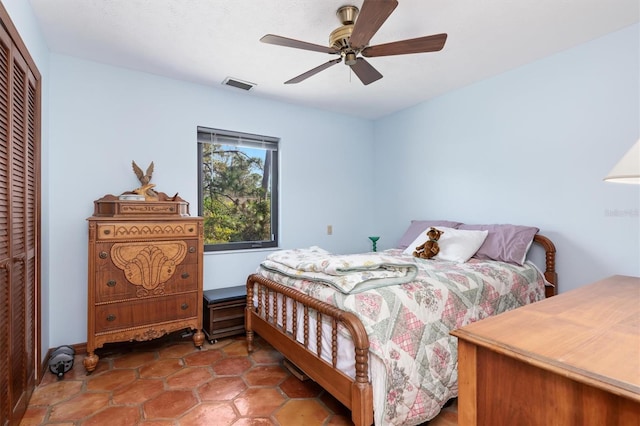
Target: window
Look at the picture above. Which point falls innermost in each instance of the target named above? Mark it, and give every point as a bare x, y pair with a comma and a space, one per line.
238, 189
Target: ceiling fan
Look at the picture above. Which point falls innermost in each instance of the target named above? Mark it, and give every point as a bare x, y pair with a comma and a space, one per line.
352, 38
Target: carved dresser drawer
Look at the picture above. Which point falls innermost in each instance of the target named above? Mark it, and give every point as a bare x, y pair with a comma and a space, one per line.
116, 316
112, 286
127, 270
112, 231
145, 274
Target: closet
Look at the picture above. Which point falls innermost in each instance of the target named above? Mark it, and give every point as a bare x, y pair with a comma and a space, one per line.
19, 223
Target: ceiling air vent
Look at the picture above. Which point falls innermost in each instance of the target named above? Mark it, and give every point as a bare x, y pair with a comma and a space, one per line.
234, 82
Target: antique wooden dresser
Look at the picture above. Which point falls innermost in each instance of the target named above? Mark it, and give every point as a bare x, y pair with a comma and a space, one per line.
145, 272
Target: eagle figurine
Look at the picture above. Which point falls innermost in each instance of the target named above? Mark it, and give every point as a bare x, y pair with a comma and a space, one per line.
146, 188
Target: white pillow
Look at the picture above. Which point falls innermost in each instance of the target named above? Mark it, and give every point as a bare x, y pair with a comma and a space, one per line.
455, 244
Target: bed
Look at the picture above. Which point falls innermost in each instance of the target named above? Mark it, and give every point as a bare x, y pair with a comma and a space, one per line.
382, 346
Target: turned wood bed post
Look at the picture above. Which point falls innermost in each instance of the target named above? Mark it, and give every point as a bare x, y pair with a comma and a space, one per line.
550, 264
247, 316
361, 413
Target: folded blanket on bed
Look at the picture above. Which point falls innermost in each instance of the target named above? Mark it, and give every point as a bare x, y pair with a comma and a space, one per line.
352, 273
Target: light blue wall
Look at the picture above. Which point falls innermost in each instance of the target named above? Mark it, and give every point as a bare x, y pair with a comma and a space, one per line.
530, 147
103, 117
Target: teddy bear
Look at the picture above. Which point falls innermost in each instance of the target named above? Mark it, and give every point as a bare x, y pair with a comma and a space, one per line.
430, 247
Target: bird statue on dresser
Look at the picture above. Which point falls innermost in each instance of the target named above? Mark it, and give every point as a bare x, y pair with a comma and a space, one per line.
145, 177
147, 191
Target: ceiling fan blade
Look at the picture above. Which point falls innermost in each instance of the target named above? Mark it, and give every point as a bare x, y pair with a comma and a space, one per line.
313, 71
373, 14
365, 71
431, 43
289, 42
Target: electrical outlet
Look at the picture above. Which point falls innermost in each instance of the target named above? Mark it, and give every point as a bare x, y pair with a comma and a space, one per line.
329, 229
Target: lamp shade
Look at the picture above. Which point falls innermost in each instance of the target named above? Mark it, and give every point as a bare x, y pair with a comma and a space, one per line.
628, 168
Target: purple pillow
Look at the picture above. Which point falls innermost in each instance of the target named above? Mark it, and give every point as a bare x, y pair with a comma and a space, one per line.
418, 226
506, 243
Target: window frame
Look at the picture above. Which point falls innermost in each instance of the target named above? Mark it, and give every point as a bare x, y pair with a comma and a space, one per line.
248, 140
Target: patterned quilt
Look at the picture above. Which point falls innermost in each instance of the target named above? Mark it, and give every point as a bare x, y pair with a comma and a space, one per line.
409, 324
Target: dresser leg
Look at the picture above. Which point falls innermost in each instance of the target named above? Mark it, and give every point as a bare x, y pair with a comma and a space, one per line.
198, 339
90, 361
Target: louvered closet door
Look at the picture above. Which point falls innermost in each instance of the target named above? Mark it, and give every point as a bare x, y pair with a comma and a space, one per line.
5, 259
19, 231
22, 234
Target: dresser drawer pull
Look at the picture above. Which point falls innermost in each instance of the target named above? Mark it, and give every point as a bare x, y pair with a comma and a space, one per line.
190, 229
192, 249
185, 275
107, 232
184, 306
111, 318
111, 283
103, 255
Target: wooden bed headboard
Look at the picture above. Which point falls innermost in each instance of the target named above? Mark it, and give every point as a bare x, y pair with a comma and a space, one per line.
550, 264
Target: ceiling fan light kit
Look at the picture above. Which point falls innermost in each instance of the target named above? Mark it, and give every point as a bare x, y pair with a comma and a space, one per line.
351, 40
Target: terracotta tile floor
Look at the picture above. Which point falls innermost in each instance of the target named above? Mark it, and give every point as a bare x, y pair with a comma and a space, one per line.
170, 382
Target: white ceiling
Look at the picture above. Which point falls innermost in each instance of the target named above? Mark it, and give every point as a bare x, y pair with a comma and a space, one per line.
205, 41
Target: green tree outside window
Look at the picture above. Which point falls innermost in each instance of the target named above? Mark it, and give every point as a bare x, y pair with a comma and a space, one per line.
238, 189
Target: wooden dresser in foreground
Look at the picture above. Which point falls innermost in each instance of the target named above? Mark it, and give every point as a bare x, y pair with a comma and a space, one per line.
145, 272
573, 359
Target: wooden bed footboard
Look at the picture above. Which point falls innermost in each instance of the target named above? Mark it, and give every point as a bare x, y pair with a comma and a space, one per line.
269, 319
272, 307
